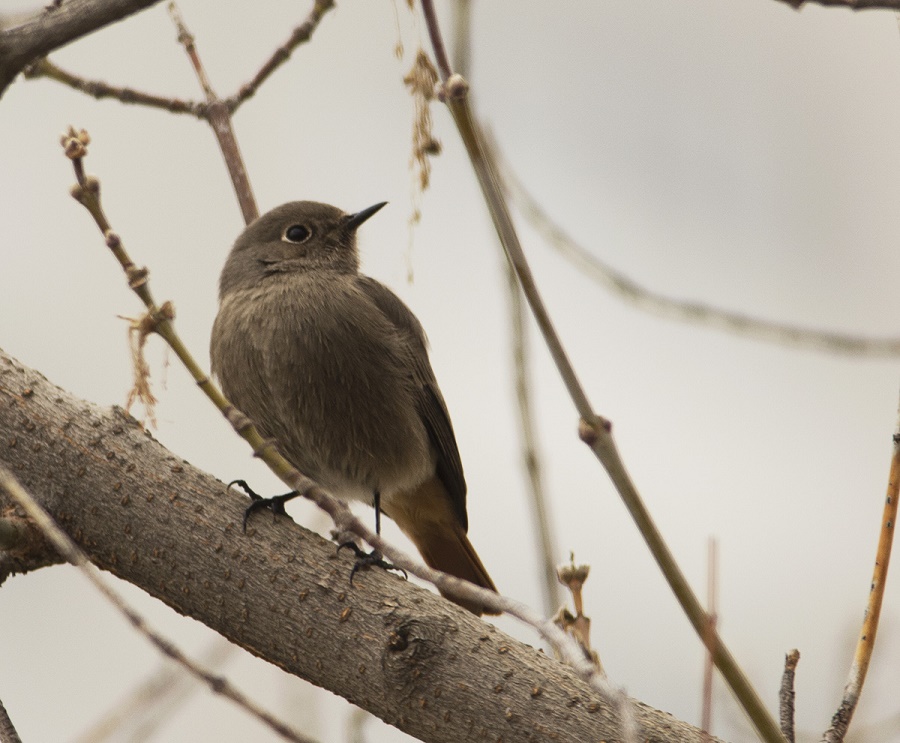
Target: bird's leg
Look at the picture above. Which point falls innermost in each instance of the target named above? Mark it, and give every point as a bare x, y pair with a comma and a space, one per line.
275, 504
366, 560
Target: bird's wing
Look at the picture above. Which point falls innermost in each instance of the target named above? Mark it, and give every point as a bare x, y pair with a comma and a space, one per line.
429, 400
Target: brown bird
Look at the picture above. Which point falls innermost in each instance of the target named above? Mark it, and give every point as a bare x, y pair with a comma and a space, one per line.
334, 366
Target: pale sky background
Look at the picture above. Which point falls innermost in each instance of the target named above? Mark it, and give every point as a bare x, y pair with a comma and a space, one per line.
737, 153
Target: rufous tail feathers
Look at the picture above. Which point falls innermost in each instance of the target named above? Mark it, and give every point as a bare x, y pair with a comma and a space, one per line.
426, 517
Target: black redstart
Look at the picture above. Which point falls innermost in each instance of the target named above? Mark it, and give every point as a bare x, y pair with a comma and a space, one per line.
334, 366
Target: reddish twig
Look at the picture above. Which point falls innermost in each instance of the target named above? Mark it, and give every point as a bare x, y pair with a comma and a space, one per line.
219, 118
299, 35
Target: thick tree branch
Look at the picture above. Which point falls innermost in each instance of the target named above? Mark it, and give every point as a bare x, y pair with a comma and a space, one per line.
64, 545
8, 732
408, 656
56, 26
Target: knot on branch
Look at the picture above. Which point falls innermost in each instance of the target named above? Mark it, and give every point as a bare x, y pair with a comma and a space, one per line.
137, 277
239, 422
589, 433
85, 187
414, 652
456, 88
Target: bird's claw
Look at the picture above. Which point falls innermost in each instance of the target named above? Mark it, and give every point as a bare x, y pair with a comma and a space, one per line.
366, 560
275, 504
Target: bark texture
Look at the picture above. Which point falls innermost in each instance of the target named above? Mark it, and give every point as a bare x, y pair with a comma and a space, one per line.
403, 653
55, 26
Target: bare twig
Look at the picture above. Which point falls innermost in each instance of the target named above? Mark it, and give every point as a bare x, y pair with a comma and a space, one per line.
595, 431
45, 31
639, 296
146, 706
540, 510
219, 118
98, 89
866, 643
547, 551
87, 192
299, 35
786, 695
8, 732
217, 112
712, 600
71, 552
852, 4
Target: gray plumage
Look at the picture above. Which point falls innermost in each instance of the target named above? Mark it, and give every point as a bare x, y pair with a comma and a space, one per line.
334, 366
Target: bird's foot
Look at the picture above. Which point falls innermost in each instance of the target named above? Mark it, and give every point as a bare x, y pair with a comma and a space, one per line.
275, 504
366, 560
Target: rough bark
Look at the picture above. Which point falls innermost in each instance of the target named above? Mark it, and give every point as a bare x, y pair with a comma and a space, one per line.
403, 653
55, 26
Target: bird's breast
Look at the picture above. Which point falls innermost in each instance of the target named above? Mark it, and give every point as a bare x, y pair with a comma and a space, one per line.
319, 368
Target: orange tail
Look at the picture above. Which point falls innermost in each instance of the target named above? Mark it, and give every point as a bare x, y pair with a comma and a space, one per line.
425, 516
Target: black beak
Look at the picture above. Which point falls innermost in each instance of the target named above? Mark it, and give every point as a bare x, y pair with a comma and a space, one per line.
355, 220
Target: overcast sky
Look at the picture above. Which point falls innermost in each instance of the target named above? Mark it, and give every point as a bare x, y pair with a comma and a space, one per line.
740, 154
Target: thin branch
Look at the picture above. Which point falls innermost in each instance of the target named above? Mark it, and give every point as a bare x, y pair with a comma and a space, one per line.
786, 695
298, 36
866, 643
73, 554
219, 118
852, 4
154, 700
712, 601
98, 89
8, 732
547, 551
50, 29
595, 431
159, 319
437, 41
546, 548
639, 296
217, 112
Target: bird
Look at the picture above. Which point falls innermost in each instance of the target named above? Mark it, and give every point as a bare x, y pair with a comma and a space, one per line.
332, 365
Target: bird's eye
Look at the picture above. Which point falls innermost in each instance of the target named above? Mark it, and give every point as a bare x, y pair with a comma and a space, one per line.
297, 233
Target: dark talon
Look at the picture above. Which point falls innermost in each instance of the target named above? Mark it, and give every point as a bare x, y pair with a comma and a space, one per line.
275, 504
365, 560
